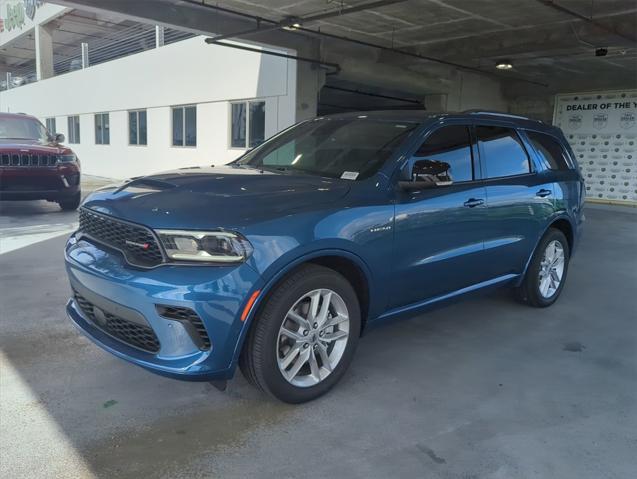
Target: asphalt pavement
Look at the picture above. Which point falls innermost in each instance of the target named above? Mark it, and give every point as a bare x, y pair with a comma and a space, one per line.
484, 388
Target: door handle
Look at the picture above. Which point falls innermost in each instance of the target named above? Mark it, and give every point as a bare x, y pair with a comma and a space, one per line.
473, 202
543, 193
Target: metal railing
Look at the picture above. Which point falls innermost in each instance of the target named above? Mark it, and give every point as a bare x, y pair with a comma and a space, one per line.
107, 47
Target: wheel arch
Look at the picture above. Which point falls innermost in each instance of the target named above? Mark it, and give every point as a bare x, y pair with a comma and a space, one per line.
348, 264
565, 226
561, 223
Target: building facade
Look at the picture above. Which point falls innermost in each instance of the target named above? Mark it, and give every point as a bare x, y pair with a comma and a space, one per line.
175, 105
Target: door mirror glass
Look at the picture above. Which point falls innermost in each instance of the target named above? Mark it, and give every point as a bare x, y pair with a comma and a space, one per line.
59, 138
445, 155
427, 174
432, 171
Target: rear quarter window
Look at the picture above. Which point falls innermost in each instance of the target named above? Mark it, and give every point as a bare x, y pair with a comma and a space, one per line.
550, 150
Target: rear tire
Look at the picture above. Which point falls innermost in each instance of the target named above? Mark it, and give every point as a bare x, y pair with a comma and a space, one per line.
72, 203
304, 336
547, 271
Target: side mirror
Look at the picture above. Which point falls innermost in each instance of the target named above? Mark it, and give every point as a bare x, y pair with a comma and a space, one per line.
427, 174
58, 138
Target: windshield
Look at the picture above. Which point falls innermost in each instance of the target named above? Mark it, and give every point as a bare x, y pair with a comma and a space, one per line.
352, 149
22, 129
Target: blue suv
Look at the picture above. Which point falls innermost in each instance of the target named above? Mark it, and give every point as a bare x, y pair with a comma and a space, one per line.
278, 261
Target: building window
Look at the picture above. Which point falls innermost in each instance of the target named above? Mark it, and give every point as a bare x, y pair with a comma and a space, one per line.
185, 125
247, 124
50, 125
74, 128
102, 129
137, 132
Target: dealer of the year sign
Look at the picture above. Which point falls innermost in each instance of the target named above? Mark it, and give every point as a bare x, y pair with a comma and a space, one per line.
602, 129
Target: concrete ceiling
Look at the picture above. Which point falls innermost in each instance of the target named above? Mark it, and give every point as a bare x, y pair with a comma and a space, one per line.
544, 43
414, 47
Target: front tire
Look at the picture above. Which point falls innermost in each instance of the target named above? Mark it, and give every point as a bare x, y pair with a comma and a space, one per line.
547, 271
304, 336
72, 203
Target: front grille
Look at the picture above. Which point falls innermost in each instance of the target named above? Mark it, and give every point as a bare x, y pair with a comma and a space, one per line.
133, 334
25, 159
137, 243
188, 317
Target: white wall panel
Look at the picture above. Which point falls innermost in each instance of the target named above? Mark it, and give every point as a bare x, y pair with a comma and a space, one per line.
186, 72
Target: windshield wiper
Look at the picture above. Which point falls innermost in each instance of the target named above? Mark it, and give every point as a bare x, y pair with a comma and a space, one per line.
272, 168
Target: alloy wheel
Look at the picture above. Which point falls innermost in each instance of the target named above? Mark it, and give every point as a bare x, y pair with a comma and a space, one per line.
312, 337
551, 269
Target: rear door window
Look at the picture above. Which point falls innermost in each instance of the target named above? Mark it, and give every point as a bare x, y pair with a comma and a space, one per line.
502, 151
553, 154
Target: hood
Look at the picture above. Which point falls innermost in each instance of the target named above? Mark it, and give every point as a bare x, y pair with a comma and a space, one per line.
32, 147
226, 196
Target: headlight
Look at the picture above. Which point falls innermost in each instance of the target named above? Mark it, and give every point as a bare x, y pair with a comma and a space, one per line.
66, 158
210, 246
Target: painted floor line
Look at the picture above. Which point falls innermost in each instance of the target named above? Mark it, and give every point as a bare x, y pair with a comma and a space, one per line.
12, 243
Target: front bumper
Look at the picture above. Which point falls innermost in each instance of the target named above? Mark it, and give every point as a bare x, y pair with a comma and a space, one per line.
52, 183
217, 295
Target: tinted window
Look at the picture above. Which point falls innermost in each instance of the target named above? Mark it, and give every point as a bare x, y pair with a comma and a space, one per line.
451, 144
247, 124
178, 127
550, 150
257, 123
23, 129
503, 151
74, 129
238, 132
50, 125
190, 126
184, 125
143, 135
102, 129
137, 127
132, 128
352, 149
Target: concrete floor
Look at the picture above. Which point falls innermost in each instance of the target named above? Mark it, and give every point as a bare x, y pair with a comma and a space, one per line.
485, 388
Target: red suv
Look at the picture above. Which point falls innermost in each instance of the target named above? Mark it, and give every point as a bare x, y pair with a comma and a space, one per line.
34, 165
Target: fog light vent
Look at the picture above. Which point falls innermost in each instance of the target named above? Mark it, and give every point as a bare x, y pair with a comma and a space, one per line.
191, 321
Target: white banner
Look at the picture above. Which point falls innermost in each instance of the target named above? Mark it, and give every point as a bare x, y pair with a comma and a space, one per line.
602, 130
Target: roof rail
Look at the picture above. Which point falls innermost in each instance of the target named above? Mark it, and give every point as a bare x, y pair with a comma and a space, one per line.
497, 113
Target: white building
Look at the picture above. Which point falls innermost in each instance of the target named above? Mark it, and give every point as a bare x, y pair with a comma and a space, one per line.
168, 106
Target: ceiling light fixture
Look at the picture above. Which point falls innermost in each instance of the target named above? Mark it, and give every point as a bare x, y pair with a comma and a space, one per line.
291, 23
504, 65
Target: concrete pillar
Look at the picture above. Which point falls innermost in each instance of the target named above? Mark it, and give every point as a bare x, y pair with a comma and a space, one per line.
159, 36
85, 62
43, 51
310, 78
437, 102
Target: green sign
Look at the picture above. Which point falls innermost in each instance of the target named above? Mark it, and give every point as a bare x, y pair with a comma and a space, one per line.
17, 13
15, 16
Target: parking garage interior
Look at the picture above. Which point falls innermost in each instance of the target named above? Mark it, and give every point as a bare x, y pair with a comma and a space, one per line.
481, 389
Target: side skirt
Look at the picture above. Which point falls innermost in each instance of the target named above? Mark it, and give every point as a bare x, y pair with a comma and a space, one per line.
435, 301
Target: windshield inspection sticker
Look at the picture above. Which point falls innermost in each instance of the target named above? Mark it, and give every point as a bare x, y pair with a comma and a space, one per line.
349, 175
